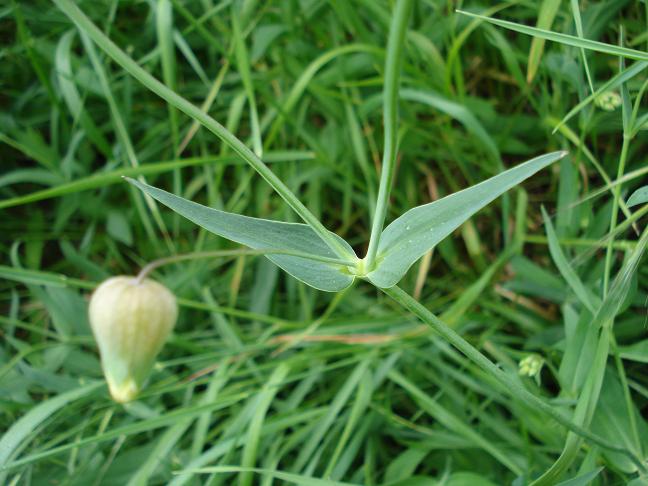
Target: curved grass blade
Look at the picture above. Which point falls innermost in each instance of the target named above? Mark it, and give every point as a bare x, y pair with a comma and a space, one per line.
297, 479
569, 40
317, 267
457, 111
418, 230
87, 27
13, 439
103, 179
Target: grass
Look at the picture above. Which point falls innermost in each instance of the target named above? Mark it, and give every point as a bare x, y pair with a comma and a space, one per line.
265, 379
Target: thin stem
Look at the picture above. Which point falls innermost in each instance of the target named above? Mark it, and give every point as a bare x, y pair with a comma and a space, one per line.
146, 270
509, 384
395, 44
174, 99
613, 218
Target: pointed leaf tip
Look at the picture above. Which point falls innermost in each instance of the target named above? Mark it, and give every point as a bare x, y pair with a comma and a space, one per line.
267, 235
418, 230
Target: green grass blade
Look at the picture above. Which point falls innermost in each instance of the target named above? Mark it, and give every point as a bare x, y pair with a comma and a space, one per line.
548, 11
171, 97
566, 39
12, 439
243, 64
263, 401
100, 180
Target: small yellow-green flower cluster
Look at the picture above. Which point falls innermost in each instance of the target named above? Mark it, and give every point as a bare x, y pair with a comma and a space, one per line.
531, 366
608, 100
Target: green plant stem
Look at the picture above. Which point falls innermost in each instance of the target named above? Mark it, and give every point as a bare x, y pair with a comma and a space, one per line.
147, 269
393, 62
613, 218
174, 99
509, 384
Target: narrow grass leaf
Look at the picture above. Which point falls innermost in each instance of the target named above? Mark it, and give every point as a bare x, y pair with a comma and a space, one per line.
418, 230
13, 438
86, 26
243, 64
263, 401
449, 420
263, 234
297, 479
548, 11
457, 111
566, 39
565, 268
103, 179
583, 479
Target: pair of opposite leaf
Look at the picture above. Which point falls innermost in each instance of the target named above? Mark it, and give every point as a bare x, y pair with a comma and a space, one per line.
402, 242
131, 318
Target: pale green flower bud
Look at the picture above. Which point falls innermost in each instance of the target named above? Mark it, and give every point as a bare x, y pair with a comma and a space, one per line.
531, 366
130, 321
608, 100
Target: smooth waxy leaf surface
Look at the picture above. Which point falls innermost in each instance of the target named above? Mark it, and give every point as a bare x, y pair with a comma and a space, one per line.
640, 196
263, 234
418, 230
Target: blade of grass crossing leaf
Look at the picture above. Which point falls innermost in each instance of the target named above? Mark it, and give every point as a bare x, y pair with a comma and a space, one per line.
569, 134
583, 479
564, 267
546, 16
616, 191
263, 401
614, 82
140, 426
569, 40
323, 427
12, 440
243, 64
189, 55
604, 319
579, 30
163, 446
103, 179
452, 422
362, 400
288, 104
508, 383
460, 113
206, 106
297, 479
71, 95
164, 31
86, 25
452, 59
217, 382
125, 141
395, 50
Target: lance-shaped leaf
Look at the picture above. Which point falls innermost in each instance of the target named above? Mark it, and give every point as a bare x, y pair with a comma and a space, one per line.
317, 267
418, 230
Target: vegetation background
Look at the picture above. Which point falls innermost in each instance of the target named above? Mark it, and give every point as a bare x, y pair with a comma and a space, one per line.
262, 371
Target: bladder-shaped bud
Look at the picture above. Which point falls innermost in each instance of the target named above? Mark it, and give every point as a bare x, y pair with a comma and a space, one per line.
130, 320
